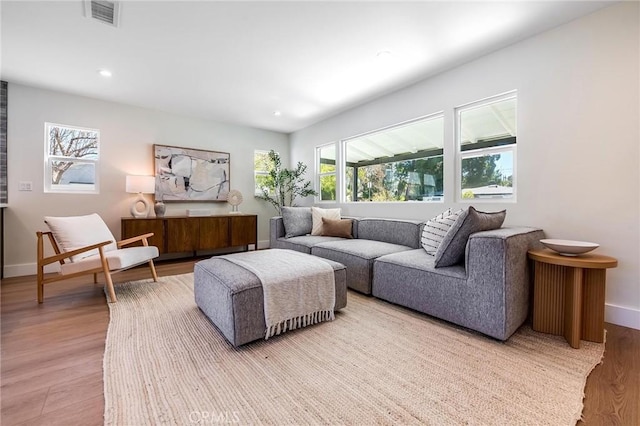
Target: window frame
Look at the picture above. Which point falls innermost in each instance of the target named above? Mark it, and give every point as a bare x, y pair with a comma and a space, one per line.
479, 152
343, 166
49, 186
319, 175
258, 172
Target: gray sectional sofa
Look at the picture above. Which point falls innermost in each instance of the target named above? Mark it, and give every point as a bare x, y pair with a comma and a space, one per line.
488, 291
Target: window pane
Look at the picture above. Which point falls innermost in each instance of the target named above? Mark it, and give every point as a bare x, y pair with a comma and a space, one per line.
402, 163
328, 187
72, 155
71, 174
487, 138
261, 161
73, 142
262, 165
327, 171
488, 176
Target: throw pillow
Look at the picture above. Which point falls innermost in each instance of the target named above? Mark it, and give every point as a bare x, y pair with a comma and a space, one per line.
337, 228
296, 221
317, 214
452, 248
435, 230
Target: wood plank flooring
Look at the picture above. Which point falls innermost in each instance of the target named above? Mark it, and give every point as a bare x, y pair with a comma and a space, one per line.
51, 356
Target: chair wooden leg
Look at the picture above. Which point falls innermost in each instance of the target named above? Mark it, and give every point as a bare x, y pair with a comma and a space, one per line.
95, 278
40, 284
112, 293
107, 276
153, 271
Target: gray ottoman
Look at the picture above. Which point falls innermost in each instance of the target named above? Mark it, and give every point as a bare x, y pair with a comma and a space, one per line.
232, 298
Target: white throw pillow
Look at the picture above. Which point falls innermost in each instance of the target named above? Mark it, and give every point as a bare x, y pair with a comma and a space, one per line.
435, 230
316, 217
75, 232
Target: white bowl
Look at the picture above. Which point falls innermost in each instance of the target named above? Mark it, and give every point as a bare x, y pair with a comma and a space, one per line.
570, 248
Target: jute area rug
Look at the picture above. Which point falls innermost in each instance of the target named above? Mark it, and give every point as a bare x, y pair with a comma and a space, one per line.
376, 363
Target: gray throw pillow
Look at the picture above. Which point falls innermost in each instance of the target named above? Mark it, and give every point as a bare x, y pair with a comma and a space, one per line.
451, 250
297, 221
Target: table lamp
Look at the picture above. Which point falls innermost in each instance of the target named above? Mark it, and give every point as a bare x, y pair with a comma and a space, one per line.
140, 185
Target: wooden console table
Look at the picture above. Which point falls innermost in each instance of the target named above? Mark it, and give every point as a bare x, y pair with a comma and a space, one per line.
568, 295
180, 234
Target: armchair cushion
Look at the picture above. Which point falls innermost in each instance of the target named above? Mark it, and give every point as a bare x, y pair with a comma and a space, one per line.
117, 259
75, 232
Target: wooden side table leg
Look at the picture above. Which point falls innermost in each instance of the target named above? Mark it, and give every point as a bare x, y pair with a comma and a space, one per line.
593, 305
573, 308
549, 298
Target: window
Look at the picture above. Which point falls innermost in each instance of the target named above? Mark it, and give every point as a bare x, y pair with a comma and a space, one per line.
261, 167
486, 138
326, 162
71, 159
399, 163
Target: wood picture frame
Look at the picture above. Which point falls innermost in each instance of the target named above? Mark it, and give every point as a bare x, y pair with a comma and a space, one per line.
190, 174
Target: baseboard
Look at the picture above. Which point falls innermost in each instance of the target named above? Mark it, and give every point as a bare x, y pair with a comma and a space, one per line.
27, 269
263, 244
621, 315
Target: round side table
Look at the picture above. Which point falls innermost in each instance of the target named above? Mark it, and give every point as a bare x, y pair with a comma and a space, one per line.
568, 295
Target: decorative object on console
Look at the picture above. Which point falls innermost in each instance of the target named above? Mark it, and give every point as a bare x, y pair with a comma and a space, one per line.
235, 199
285, 185
568, 247
185, 174
199, 212
159, 208
316, 217
140, 185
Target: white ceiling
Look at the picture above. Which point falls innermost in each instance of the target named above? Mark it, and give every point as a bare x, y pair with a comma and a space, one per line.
239, 62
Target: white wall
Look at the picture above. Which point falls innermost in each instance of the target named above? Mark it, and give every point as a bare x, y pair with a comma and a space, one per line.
578, 138
127, 135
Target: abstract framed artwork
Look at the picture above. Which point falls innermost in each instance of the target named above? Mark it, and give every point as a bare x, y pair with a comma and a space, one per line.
187, 174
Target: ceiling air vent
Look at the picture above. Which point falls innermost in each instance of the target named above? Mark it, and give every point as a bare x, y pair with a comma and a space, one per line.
103, 11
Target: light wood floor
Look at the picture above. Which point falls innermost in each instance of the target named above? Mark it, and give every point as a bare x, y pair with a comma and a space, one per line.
51, 362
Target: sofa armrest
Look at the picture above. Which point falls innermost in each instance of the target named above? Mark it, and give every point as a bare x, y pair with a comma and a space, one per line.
276, 230
498, 277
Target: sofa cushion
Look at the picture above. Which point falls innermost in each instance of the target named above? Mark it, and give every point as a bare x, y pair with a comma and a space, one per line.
296, 221
451, 250
393, 231
302, 243
435, 229
337, 228
317, 214
358, 256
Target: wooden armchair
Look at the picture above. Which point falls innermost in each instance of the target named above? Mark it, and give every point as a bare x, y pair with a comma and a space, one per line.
85, 245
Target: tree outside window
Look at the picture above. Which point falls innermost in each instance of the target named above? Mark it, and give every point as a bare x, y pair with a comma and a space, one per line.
72, 155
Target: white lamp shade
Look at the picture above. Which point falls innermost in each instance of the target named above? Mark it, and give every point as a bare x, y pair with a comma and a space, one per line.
141, 184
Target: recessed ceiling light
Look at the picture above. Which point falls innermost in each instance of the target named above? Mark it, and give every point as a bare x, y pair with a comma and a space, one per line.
104, 73
383, 54
277, 113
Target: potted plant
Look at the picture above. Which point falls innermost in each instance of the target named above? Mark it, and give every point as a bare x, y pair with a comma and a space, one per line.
282, 186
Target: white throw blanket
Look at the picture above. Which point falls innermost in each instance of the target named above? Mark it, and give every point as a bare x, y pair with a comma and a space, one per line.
299, 289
